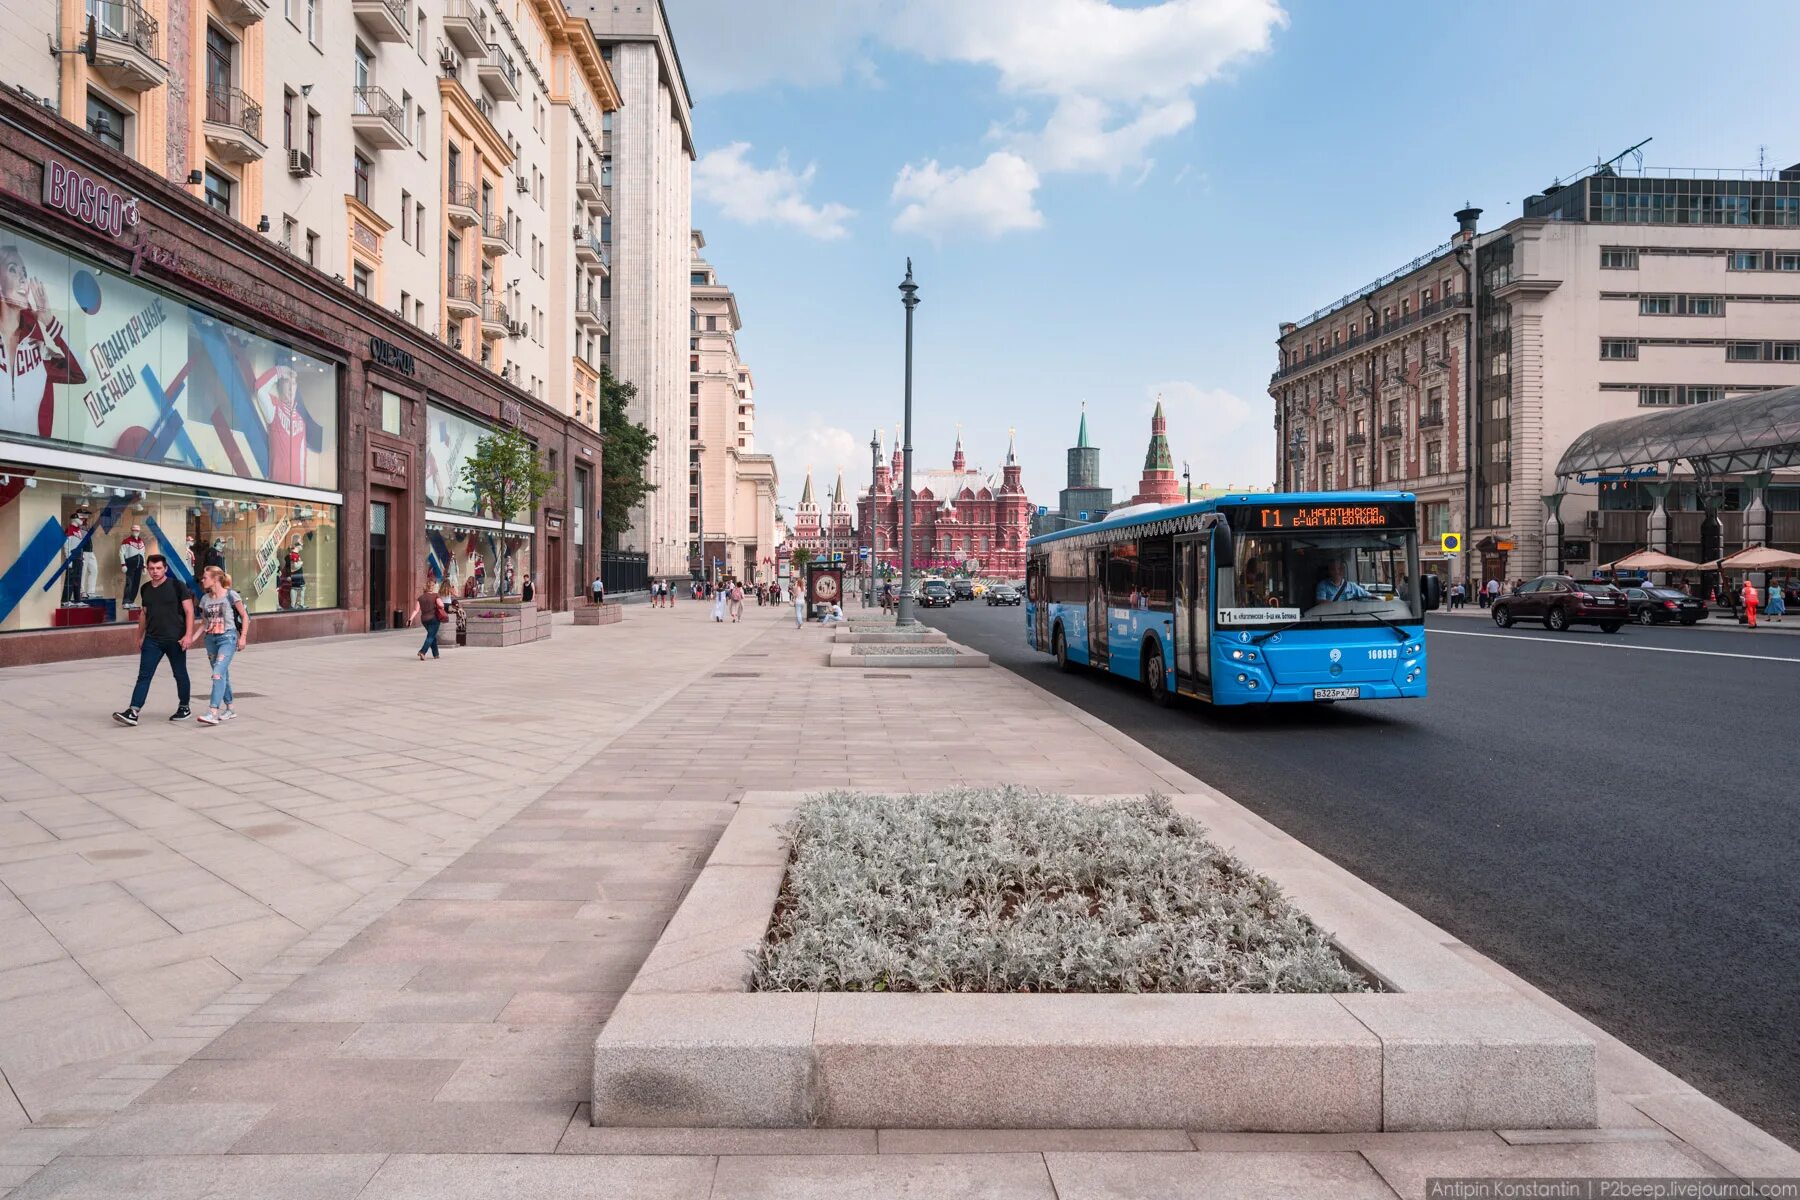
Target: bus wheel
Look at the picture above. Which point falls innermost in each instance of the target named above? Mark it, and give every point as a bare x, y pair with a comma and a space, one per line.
1060, 648
1156, 676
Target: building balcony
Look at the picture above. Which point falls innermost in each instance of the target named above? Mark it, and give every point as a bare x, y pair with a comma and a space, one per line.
125, 45
462, 298
587, 184
465, 27
499, 74
494, 318
378, 120
1358, 438
1326, 445
592, 314
386, 20
1431, 420
1444, 306
243, 12
233, 125
589, 252
1392, 429
495, 237
461, 205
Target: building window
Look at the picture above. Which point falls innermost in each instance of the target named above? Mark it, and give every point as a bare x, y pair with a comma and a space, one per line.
1656, 306
1616, 259
287, 119
312, 21
362, 280
406, 216
1702, 395
312, 248
1655, 397
1434, 458
218, 190
1705, 306
106, 123
1392, 466
1356, 472
1744, 352
312, 134
419, 225
290, 233
1746, 260
1618, 348
360, 170
1784, 352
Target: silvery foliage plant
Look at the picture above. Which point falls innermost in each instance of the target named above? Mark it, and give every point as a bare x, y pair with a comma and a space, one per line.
1012, 891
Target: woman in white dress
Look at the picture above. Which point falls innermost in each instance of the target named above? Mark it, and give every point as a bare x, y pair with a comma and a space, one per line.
719, 604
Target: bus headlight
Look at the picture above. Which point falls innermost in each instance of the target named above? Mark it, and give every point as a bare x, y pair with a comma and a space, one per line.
1242, 677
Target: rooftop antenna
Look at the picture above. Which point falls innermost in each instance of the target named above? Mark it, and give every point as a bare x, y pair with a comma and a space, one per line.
1636, 152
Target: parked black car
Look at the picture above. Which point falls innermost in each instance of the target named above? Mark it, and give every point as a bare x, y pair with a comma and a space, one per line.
934, 593
1000, 593
1660, 606
962, 589
1560, 602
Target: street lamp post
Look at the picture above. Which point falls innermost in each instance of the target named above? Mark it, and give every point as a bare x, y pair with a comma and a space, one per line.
871, 526
909, 296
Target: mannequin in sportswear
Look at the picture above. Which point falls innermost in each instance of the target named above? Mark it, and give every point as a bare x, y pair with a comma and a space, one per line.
131, 558
296, 573
73, 533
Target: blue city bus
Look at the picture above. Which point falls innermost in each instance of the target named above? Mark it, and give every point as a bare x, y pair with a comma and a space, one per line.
1246, 599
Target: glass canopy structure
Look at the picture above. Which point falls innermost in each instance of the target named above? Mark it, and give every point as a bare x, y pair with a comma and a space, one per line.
1758, 432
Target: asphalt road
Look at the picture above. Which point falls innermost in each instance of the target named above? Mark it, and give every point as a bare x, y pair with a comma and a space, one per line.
1616, 818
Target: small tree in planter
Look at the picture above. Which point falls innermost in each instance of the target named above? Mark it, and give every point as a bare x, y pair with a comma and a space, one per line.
506, 476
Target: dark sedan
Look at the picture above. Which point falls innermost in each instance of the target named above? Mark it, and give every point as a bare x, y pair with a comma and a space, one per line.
1002, 594
1662, 606
935, 593
1559, 602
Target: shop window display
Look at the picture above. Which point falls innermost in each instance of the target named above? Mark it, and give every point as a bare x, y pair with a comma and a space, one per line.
72, 546
476, 562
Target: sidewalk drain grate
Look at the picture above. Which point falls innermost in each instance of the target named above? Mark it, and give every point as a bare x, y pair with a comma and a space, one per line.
737, 675
886, 675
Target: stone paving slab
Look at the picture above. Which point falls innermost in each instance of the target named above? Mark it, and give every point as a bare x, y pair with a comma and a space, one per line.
572, 830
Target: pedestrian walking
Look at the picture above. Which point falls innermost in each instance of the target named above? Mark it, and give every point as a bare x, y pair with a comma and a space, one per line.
799, 605
597, 590
718, 611
223, 621
431, 618
736, 600
1750, 602
1777, 602
165, 622
527, 592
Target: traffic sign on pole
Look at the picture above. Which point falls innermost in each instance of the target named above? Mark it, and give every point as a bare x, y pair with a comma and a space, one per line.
1452, 543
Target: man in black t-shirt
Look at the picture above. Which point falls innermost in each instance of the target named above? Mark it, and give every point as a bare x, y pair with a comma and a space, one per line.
165, 622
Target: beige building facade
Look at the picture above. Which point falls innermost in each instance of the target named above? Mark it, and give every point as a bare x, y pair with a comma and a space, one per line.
438, 157
1612, 296
731, 488
646, 174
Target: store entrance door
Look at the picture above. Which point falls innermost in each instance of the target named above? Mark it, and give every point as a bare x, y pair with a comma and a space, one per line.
551, 580
379, 514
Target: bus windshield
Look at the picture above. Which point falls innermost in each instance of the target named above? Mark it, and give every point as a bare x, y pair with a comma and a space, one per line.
1338, 575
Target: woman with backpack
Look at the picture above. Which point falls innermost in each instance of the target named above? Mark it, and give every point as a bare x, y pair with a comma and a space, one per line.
224, 622
432, 611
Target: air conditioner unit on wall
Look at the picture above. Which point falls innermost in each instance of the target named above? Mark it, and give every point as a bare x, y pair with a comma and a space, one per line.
1593, 521
524, 186
299, 163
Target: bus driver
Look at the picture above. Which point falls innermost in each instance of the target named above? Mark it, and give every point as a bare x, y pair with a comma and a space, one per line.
1335, 587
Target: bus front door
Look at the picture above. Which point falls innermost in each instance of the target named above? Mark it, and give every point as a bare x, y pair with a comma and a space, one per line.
1193, 653
1097, 625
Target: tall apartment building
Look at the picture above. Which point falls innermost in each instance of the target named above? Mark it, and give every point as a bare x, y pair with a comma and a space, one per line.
731, 488
1617, 294
439, 157
649, 188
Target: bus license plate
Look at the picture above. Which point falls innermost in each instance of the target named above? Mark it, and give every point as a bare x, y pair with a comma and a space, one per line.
1350, 693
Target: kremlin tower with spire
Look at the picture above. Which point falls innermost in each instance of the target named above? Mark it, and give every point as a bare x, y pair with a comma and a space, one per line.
960, 515
825, 533
1160, 485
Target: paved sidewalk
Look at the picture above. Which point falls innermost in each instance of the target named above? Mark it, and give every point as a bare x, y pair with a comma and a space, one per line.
434, 1038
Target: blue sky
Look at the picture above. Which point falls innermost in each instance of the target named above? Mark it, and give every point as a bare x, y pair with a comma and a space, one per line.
1107, 202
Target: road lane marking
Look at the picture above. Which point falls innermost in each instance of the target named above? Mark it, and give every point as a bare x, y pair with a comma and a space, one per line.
1520, 637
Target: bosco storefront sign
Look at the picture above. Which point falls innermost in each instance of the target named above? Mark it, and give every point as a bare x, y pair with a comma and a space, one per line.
93, 202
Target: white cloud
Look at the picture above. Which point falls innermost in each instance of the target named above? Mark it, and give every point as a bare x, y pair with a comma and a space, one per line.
817, 446
763, 195
1078, 138
994, 198
1220, 436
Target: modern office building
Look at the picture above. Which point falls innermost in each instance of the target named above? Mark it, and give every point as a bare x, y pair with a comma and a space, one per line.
647, 170
1619, 293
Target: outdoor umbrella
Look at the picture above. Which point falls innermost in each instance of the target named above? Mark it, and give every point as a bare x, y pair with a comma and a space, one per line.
1651, 560
1756, 558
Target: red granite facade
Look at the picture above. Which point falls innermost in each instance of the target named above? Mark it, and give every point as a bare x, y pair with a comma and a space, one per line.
959, 515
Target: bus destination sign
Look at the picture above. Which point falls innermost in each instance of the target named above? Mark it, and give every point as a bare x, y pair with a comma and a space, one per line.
1327, 516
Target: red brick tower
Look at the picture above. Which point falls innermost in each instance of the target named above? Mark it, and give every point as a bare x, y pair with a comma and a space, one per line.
1159, 484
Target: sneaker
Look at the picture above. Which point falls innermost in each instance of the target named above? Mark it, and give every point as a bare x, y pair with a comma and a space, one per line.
209, 718
126, 717
181, 714
229, 714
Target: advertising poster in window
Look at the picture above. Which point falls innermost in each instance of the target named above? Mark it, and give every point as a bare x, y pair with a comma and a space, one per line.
450, 440
98, 362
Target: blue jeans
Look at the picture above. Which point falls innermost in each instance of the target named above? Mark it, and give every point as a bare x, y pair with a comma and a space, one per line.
221, 648
151, 653
431, 632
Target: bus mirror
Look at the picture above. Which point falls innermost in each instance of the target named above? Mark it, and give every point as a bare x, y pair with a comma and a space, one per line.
1222, 547
1431, 591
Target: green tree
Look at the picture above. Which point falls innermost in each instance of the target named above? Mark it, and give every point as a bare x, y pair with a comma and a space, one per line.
506, 476
628, 446
799, 557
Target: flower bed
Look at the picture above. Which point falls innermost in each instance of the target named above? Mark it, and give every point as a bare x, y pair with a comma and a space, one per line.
1009, 891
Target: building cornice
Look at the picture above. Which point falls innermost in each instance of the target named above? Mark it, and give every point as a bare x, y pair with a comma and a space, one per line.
462, 106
